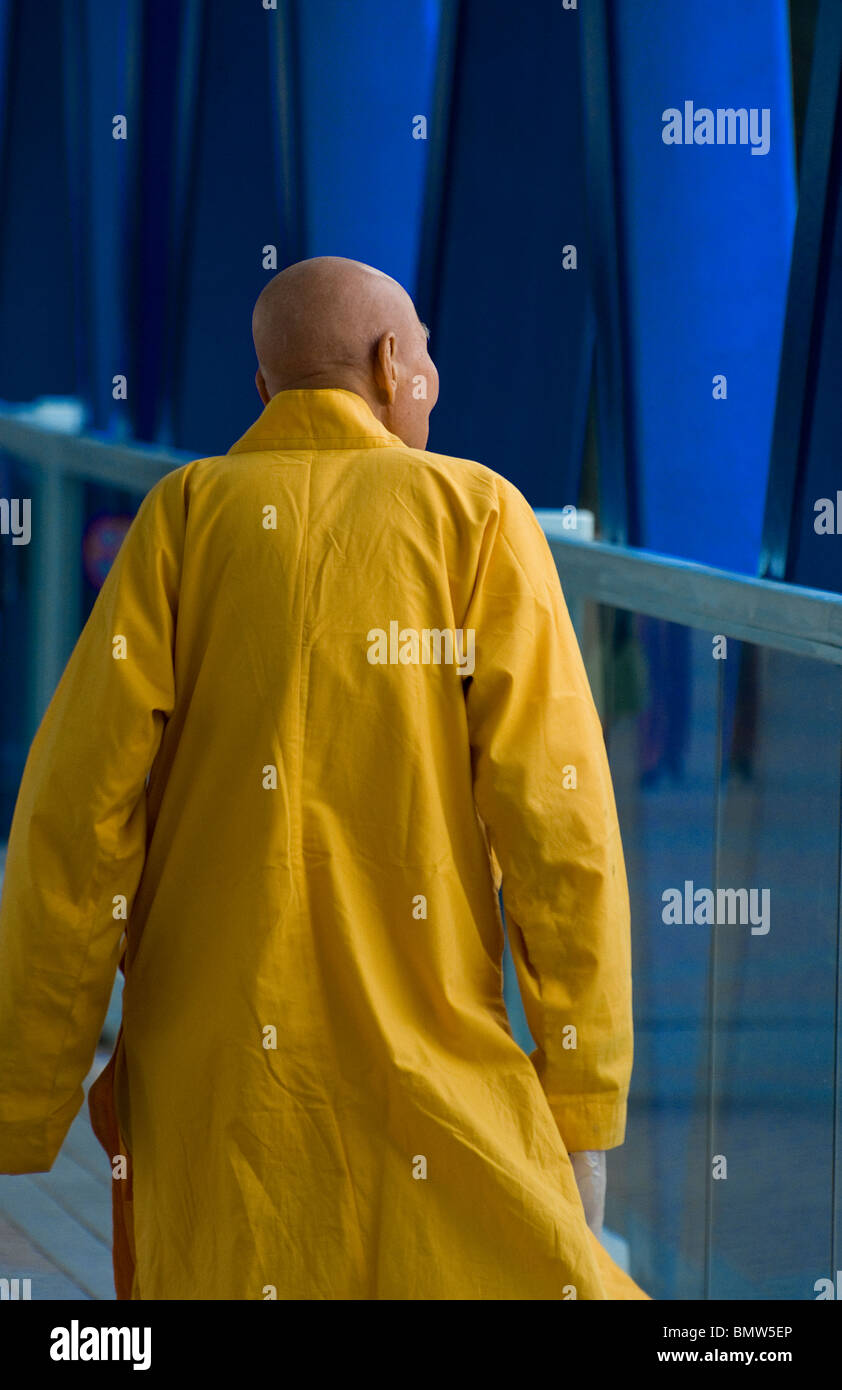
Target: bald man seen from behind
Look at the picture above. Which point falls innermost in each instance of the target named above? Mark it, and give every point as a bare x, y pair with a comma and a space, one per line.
328, 697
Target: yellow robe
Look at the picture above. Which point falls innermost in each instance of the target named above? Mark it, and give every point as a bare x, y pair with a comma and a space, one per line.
316, 1081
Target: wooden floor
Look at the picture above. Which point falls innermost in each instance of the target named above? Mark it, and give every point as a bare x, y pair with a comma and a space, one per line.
55, 1228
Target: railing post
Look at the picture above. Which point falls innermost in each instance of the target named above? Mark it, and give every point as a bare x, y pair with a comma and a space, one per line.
57, 536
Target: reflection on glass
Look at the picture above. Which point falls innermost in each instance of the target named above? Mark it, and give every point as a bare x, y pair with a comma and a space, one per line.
774, 987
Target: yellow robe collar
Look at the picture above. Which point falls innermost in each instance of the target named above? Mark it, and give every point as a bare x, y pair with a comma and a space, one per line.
325, 418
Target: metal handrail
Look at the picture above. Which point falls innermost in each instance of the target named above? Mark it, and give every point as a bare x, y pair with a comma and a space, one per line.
763, 611
768, 613
91, 458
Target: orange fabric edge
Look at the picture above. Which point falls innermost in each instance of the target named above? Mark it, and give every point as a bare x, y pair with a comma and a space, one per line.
103, 1116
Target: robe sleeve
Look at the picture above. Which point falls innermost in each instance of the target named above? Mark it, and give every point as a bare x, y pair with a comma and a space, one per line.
78, 837
543, 789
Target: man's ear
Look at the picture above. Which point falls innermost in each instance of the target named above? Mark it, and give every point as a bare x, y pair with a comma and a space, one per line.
261, 387
385, 368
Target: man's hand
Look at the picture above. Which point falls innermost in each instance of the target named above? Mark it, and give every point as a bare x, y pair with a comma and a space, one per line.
589, 1172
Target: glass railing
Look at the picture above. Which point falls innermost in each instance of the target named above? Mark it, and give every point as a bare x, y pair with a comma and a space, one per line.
725, 757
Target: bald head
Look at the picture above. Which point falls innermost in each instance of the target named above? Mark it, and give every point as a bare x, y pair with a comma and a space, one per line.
335, 322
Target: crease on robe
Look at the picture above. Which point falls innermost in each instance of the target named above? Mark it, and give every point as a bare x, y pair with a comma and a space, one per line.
619, 1286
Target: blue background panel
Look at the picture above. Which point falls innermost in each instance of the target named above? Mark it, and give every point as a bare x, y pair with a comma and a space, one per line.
817, 558
366, 70
233, 214
37, 352
512, 334
708, 242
